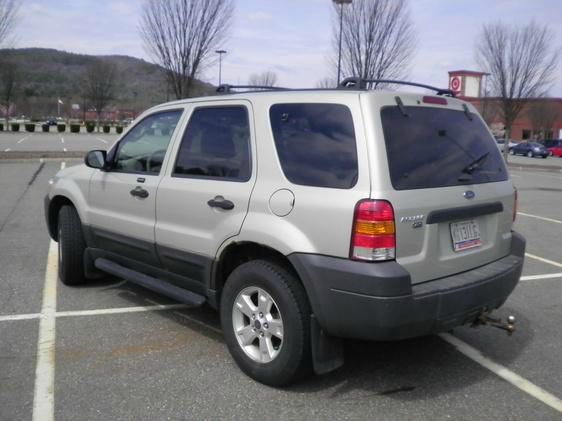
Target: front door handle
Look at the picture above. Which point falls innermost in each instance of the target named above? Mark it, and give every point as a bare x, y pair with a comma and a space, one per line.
221, 202
139, 192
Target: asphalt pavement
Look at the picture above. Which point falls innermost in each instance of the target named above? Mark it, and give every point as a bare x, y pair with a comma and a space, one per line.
121, 352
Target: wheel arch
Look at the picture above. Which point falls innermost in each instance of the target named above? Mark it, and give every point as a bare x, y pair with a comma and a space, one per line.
55, 205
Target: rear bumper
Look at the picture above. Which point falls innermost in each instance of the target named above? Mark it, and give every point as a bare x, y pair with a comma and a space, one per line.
377, 301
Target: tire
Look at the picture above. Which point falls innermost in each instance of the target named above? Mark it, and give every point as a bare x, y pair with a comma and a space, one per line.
530, 154
511, 152
71, 247
288, 359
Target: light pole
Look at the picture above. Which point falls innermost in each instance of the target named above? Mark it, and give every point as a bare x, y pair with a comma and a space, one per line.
220, 53
341, 3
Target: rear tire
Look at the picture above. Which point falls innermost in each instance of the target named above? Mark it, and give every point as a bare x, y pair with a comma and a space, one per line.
530, 154
286, 358
511, 152
71, 247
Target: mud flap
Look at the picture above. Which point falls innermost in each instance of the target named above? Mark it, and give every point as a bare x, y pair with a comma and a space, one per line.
327, 351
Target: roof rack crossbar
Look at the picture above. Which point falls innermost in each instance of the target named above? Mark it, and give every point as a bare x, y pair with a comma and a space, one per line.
358, 83
225, 88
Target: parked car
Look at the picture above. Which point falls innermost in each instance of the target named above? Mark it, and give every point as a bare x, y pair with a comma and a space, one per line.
51, 121
554, 146
303, 216
501, 143
530, 149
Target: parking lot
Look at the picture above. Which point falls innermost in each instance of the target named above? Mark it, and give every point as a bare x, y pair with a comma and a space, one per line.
111, 350
54, 142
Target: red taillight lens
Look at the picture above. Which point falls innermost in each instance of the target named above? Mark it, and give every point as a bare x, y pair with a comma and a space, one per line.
515, 199
374, 233
434, 100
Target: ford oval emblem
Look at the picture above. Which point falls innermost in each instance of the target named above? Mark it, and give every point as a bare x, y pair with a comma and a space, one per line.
469, 194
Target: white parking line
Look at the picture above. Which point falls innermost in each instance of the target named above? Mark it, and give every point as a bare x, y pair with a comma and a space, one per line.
503, 372
14, 317
64, 149
121, 310
101, 140
62, 140
542, 218
542, 259
21, 140
546, 276
43, 395
7, 150
516, 176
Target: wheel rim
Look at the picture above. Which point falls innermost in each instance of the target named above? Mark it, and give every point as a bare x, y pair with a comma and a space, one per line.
257, 324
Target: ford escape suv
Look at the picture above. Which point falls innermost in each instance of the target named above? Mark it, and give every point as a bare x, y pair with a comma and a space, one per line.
303, 216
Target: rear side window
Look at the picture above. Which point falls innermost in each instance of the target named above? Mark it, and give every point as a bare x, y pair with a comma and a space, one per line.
216, 145
434, 147
315, 144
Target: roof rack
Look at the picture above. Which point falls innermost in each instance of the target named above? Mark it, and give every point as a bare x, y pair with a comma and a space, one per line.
358, 83
226, 89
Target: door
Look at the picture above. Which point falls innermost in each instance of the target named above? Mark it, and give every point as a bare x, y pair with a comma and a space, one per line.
122, 201
204, 196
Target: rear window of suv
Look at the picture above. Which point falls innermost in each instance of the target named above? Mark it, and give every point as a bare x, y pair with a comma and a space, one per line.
433, 147
315, 144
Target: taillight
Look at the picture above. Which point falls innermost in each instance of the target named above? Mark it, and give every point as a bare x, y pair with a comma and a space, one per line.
374, 234
515, 198
434, 100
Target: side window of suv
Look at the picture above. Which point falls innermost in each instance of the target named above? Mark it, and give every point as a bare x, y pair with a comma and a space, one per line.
142, 150
315, 144
216, 145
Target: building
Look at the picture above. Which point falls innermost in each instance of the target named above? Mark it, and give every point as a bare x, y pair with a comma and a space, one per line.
541, 118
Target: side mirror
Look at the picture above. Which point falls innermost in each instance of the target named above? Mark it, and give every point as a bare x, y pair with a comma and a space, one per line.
96, 159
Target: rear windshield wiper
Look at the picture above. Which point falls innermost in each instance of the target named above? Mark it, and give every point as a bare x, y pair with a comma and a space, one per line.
474, 165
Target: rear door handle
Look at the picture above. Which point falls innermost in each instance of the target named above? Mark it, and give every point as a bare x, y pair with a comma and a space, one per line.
139, 192
221, 202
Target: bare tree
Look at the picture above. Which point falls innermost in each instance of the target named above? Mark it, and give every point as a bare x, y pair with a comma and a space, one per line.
181, 35
99, 85
521, 63
9, 73
378, 39
326, 83
267, 78
542, 116
8, 14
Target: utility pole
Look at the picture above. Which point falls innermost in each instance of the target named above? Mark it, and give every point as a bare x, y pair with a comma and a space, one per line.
220, 53
341, 3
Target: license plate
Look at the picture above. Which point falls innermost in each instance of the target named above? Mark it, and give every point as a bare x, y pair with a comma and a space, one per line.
465, 234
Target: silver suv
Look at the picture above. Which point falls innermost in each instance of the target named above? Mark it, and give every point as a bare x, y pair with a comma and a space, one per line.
304, 216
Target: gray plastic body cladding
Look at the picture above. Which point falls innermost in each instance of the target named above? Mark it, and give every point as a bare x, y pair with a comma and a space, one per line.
379, 310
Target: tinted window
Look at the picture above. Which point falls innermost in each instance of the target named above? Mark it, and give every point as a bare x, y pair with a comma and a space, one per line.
315, 144
216, 144
143, 149
431, 147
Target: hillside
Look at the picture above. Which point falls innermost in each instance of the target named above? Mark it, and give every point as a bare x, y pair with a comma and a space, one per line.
46, 74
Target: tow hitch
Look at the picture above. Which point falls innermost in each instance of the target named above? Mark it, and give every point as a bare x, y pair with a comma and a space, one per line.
485, 319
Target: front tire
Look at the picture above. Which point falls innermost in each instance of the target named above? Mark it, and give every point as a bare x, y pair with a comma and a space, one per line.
71, 247
530, 154
265, 317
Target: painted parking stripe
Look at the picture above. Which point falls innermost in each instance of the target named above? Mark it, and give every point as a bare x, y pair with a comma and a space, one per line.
121, 310
545, 276
101, 140
62, 140
503, 372
7, 150
542, 259
15, 317
21, 140
542, 218
43, 394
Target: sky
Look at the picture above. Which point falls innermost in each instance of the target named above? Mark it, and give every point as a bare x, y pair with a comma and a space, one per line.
293, 38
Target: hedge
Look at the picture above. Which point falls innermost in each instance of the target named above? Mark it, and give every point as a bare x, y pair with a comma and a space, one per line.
45, 127
30, 127
119, 129
1, 127
106, 129
15, 127
90, 127
75, 128
61, 127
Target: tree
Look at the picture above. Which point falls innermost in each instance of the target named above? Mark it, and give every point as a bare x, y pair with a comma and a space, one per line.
9, 73
181, 35
521, 64
267, 78
542, 116
327, 83
8, 14
99, 85
378, 39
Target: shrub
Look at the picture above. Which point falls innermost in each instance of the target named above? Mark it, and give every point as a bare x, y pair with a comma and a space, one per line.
30, 127
90, 127
119, 129
15, 127
1, 127
106, 128
61, 127
45, 127
75, 128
